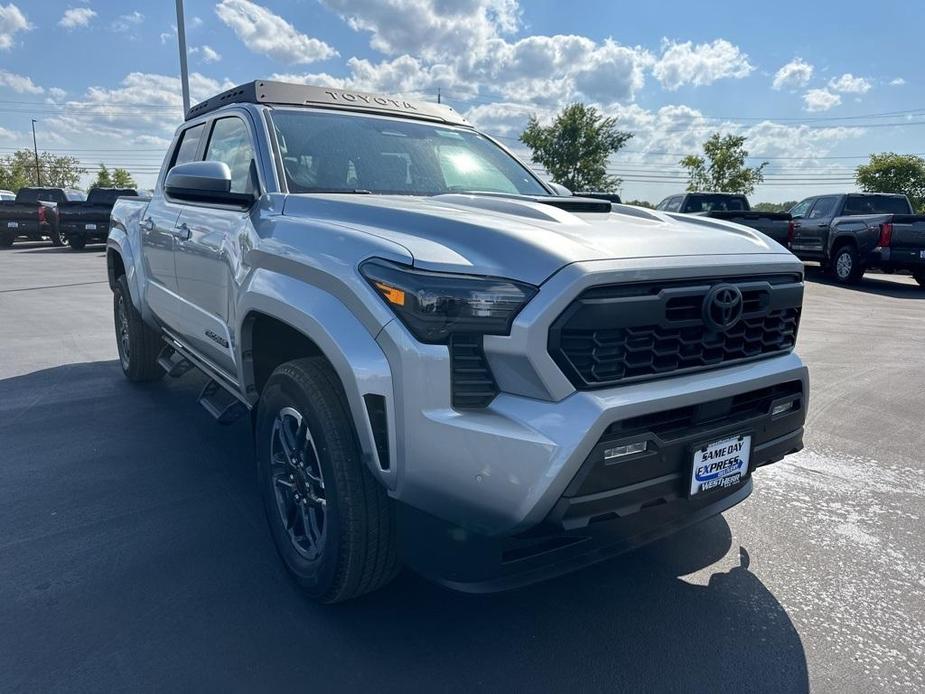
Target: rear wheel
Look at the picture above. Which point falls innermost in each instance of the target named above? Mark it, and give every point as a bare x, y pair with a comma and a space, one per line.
137, 343
331, 520
6, 240
77, 243
919, 277
58, 238
846, 265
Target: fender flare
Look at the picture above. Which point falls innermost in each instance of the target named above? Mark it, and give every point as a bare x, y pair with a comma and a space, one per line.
347, 344
118, 243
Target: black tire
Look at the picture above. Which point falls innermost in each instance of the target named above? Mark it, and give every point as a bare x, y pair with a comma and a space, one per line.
919, 276
57, 238
77, 243
341, 506
6, 240
138, 344
846, 266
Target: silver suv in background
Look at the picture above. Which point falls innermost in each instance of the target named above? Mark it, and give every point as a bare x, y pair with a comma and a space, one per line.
446, 364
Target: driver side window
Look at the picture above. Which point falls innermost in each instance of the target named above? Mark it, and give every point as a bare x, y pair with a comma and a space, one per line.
230, 143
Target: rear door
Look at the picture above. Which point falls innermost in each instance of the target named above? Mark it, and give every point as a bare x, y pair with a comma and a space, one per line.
208, 248
158, 235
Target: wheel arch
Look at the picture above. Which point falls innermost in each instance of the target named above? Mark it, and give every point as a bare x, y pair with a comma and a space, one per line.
294, 320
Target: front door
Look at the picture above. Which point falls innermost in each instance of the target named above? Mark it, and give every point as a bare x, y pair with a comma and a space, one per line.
209, 248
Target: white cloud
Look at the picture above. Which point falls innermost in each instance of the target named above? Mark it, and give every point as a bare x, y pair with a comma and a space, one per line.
56, 93
19, 83
264, 32
127, 22
210, 55
849, 84
820, 100
897, 82
797, 73
12, 21
429, 28
75, 17
684, 63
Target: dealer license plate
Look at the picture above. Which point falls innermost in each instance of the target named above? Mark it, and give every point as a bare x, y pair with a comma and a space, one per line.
12, 225
89, 226
720, 464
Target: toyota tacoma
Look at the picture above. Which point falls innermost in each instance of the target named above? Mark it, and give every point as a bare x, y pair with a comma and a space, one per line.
445, 364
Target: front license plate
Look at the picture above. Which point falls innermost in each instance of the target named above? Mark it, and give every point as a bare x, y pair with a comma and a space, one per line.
720, 464
89, 226
12, 225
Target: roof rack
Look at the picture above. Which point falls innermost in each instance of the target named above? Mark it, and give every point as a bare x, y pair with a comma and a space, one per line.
284, 93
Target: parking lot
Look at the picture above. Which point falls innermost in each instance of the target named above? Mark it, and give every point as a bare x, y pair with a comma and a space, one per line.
134, 553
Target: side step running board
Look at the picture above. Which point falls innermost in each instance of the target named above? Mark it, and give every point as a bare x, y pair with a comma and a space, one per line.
221, 404
173, 363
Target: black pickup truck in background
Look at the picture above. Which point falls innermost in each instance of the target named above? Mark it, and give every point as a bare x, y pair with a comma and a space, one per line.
730, 207
33, 215
87, 221
850, 232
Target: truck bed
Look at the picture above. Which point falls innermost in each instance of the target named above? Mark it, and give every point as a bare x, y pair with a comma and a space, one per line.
772, 224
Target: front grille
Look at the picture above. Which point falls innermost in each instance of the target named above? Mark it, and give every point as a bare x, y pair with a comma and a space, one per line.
623, 333
472, 383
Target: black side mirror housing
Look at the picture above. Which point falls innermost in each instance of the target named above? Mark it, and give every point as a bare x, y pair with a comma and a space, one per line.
204, 181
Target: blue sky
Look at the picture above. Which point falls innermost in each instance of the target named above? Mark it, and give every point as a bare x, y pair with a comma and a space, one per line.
814, 86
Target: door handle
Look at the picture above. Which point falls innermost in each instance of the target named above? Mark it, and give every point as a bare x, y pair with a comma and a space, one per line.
182, 232
147, 224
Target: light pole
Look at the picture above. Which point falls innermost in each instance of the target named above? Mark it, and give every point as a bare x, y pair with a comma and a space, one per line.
181, 39
35, 149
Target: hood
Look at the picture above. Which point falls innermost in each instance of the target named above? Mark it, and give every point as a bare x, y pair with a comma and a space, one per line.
521, 239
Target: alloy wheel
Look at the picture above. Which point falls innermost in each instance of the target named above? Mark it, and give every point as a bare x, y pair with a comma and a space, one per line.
298, 483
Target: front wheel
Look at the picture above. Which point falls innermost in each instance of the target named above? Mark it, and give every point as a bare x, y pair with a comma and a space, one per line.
331, 520
58, 238
6, 240
846, 265
138, 344
919, 277
78, 244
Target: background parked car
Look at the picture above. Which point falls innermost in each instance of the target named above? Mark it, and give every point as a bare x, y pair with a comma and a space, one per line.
849, 233
731, 207
33, 215
87, 221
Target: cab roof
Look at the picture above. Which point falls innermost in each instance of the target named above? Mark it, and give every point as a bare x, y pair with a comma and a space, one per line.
287, 94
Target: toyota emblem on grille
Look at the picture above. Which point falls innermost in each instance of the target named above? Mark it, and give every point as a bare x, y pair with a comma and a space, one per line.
722, 307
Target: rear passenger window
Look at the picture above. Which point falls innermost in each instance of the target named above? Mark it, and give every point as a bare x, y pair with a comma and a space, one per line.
189, 144
824, 207
231, 143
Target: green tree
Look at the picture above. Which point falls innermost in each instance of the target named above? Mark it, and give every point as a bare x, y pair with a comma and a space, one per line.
641, 203
18, 170
774, 206
894, 173
121, 178
722, 167
103, 178
576, 147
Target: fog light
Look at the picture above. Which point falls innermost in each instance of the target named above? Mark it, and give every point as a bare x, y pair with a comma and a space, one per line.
783, 407
622, 451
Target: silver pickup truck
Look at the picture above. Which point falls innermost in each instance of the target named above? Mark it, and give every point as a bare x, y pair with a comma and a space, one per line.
446, 364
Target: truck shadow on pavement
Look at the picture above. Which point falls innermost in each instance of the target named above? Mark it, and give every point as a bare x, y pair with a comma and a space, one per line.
874, 283
134, 555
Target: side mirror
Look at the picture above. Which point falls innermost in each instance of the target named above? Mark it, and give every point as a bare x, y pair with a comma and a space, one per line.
204, 181
560, 189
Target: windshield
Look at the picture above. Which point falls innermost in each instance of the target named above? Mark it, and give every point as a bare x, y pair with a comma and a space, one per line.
876, 204
344, 153
711, 203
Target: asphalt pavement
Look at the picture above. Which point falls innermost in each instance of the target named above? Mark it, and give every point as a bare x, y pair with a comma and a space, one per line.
134, 554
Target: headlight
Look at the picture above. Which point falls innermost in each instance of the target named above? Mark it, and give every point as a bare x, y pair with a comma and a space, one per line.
434, 305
